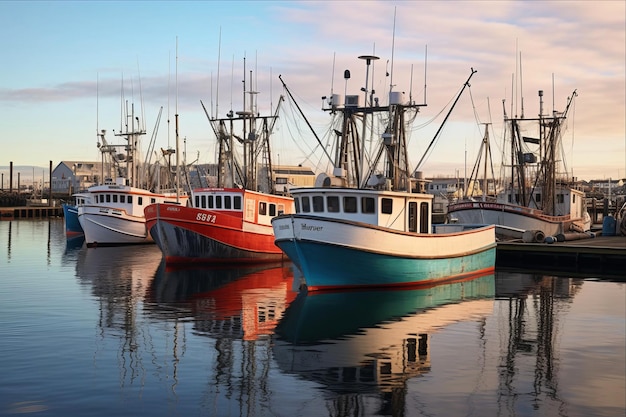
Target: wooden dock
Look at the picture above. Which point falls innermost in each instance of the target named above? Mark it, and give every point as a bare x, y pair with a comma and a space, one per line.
601, 257
30, 212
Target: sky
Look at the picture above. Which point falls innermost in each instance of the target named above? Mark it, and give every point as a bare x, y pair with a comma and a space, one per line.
68, 69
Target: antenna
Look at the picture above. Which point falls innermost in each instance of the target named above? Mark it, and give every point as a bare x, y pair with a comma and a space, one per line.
97, 106
411, 87
553, 109
521, 85
425, 65
169, 75
512, 94
143, 110
516, 96
217, 88
232, 80
332, 76
176, 116
393, 46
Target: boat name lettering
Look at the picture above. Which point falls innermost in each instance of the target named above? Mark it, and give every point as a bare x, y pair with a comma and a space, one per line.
203, 217
492, 206
172, 209
461, 206
312, 228
284, 227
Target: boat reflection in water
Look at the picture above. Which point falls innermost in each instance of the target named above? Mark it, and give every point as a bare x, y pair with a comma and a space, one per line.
242, 303
116, 273
74, 242
370, 341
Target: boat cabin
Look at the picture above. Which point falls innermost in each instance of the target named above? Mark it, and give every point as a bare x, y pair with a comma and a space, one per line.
568, 201
404, 212
252, 206
81, 198
125, 198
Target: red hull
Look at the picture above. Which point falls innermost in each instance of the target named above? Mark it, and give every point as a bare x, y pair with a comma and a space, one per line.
198, 235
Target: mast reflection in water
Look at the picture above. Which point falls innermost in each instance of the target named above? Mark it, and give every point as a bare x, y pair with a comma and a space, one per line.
111, 331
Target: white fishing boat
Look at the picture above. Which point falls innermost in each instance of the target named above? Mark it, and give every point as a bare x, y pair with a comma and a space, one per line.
115, 213
538, 198
370, 223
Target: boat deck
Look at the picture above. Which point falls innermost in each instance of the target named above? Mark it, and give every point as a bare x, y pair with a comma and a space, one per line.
602, 256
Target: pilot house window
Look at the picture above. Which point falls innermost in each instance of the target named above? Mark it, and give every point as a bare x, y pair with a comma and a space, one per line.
386, 206
333, 204
367, 205
349, 204
318, 203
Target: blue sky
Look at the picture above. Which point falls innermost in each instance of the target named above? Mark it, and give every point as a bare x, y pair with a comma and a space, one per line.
66, 65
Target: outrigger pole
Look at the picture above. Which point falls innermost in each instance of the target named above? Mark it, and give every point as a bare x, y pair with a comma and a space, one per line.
444, 120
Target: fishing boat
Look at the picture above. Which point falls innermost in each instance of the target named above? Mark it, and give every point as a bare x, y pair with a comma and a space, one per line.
115, 213
70, 214
229, 222
539, 199
370, 223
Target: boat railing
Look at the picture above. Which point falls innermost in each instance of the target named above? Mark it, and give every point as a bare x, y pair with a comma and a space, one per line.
509, 208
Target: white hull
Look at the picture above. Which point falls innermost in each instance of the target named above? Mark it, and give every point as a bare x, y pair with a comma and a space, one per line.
380, 240
515, 219
115, 215
110, 226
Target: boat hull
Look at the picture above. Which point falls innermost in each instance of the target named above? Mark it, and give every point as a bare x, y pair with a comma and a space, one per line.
109, 227
192, 235
335, 254
72, 225
514, 218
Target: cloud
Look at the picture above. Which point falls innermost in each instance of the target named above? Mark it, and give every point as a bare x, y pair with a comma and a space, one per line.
517, 48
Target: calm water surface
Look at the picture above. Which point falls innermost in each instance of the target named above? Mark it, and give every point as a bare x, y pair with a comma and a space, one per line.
111, 331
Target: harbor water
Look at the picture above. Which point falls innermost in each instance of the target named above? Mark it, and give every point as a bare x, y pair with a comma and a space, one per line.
114, 332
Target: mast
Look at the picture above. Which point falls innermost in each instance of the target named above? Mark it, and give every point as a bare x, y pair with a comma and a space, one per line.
177, 135
486, 145
361, 169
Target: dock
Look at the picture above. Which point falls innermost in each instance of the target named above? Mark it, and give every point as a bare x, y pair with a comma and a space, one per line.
601, 256
30, 212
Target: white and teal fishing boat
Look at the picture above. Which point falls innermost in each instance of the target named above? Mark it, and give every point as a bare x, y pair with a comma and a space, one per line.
369, 224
